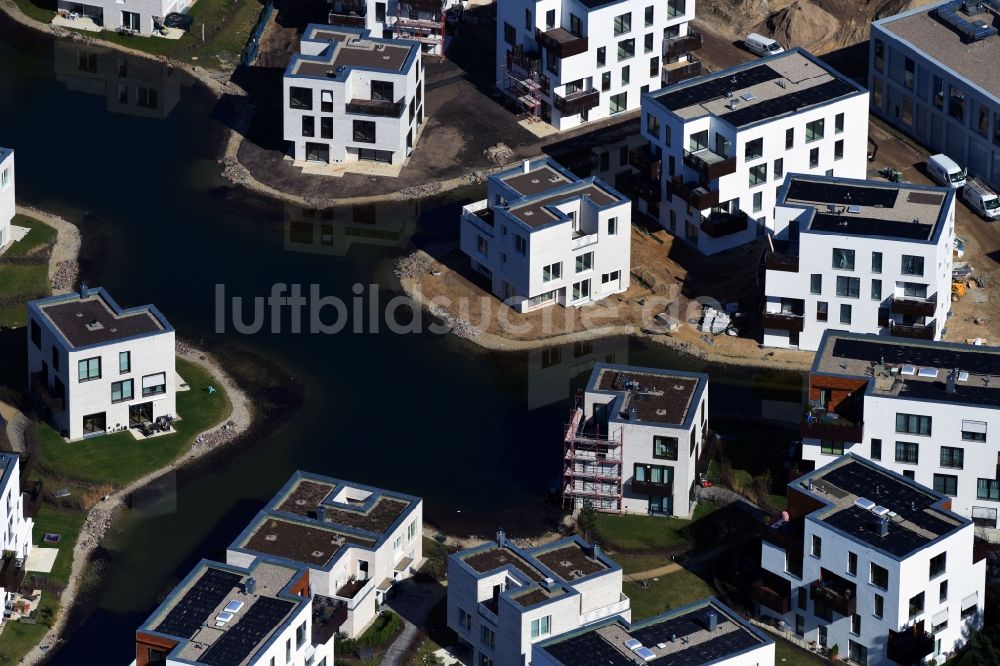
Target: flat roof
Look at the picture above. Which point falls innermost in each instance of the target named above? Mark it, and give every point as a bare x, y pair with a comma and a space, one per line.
975, 62
537, 212
5, 153
869, 208
300, 542
659, 396
541, 177
90, 316
191, 613
914, 369
785, 83
680, 637
347, 49
857, 492
484, 561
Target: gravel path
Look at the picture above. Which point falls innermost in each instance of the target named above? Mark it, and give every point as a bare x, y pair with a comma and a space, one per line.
101, 515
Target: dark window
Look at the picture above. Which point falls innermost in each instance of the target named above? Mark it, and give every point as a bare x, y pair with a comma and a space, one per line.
988, 489
911, 265
817, 546
845, 313
89, 368
55, 359
816, 283
606, 81
300, 98
124, 361
758, 174
879, 576
649, 16
753, 149
121, 391
789, 138
550, 19
879, 607
658, 474
601, 57
779, 168
154, 384
813, 158
838, 149
938, 564
36, 334
676, 8
843, 259
913, 424
326, 128
626, 49
822, 310
848, 287
308, 126
916, 604
974, 431
909, 72
623, 24
509, 33
647, 43
907, 452
856, 624
876, 453
382, 91
831, 448
575, 25
814, 130
946, 484
364, 131
956, 104
943, 592
838, 123
876, 262
852, 563
952, 457
665, 447
879, 54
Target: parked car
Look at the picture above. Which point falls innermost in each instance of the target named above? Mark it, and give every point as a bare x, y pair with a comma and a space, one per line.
981, 198
945, 171
761, 45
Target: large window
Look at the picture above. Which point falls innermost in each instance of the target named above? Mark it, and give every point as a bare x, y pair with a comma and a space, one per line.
658, 474
664, 447
879, 576
848, 287
676, 8
618, 103
974, 431
753, 149
907, 452
946, 484
626, 49
487, 636
89, 368
541, 626
814, 130
382, 91
552, 272
585, 262
300, 98
155, 384
952, 457
843, 260
758, 174
911, 265
913, 424
623, 24
581, 289
916, 604
831, 448
988, 489
364, 131
121, 391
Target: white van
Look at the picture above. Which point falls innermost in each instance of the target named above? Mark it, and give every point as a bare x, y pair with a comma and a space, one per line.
945, 171
981, 198
761, 45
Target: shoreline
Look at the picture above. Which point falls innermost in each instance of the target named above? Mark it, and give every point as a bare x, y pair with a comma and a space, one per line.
64, 267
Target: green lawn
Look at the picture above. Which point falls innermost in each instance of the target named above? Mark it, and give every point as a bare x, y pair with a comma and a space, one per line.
671, 591
119, 458
632, 533
24, 282
786, 654
38, 234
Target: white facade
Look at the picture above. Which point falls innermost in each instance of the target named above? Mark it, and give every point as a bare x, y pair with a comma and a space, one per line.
17, 532
99, 368
136, 17
570, 62
720, 145
367, 558
633, 446
866, 271
911, 594
544, 236
349, 97
419, 20
502, 599
951, 444
7, 202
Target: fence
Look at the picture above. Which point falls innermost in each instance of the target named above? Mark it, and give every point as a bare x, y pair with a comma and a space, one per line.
251, 48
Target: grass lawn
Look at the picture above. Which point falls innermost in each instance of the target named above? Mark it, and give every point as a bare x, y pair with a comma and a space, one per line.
119, 458
632, 533
666, 592
24, 282
786, 654
636, 562
38, 234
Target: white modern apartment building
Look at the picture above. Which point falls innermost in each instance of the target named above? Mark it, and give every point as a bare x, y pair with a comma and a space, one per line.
17, 532
860, 256
544, 236
702, 633
569, 62
502, 599
873, 563
634, 444
420, 20
933, 75
258, 615
927, 410
7, 201
356, 542
720, 145
97, 367
135, 17
349, 97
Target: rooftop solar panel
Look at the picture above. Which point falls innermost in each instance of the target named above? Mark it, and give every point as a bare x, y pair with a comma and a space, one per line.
194, 608
245, 637
715, 88
846, 195
856, 225
587, 649
788, 102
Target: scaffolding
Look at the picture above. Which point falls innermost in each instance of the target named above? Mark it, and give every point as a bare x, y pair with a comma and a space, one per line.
592, 464
523, 80
423, 21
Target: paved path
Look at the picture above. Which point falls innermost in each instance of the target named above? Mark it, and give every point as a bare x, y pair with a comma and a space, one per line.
413, 602
15, 423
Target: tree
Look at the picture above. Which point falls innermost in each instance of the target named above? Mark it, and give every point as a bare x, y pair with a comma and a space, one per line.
587, 519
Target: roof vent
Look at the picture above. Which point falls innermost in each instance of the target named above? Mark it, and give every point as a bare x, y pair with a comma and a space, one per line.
94, 326
712, 620
781, 83
883, 526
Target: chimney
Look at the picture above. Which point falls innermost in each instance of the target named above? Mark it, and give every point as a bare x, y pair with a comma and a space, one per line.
595, 551
883, 526
525, 166
501, 538
321, 513
83, 290
250, 587
712, 620
952, 378
633, 414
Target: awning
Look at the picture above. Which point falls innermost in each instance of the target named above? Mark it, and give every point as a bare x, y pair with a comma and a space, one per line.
159, 379
939, 618
974, 426
970, 601
404, 564
384, 585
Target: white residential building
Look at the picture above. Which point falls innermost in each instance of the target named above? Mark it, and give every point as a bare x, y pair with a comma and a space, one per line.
635, 443
349, 97
258, 615
720, 145
544, 236
17, 532
702, 633
7, 201
419, 20
97, 367
356, 541
927, 410
135, 17
860, 256
873, 563
502, 599
569, 62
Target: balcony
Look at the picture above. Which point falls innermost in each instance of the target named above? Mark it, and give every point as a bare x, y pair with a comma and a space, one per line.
782, 321
55, 403
349, 20
911, 645
617, 608
838, 594
980, 549
648, 190
11, 572
577, 102
642, 160
376, 107
717, 224
784, 257
561, 42
479, 215
676, 72
788, 537
526, 63
678, 46
329, 616
32, 498
583, 240
353, 592
780, 601
918, 331
709, 164
697, 195
818, 423
651, 488
917, 307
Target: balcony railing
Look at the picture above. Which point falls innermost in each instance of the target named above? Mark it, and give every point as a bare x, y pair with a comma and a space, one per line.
680, 71
583, 240
709, 164
839, 595
561, 42
717, 224
346, 20
376, 107
788, 537
487, 613
529, 63
48, 398
11, 572
643, 161
651, 488
919, 331
911, 645
357, 593
820, 424
620, 606
678, 46
329, 615
480, 215
784, 257
577, 102
782, 321
777, 601
918, 307
697, 195
648, 190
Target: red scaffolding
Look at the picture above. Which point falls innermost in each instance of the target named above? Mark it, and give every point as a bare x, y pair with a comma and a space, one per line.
429, 31
592, 463
522, 80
